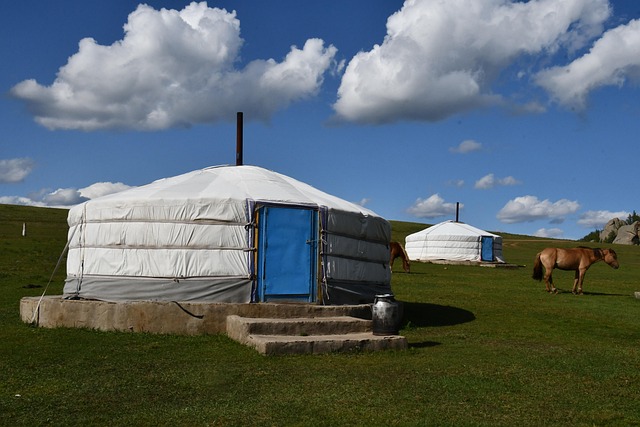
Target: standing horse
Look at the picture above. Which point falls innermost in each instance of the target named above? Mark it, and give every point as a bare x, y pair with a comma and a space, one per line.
396, 250
576, 259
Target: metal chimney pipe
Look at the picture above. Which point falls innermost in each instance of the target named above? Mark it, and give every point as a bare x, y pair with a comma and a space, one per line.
239, 139
457, 211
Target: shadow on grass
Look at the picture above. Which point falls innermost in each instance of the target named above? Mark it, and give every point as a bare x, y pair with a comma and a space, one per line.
604, 294
421, 314
425, 344
425, 314
598, 294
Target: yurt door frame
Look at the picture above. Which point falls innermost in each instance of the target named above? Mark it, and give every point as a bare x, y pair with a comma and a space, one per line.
486, 248
287, 254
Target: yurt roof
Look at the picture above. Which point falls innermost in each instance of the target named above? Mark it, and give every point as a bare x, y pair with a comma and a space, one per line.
225, 185
450, 228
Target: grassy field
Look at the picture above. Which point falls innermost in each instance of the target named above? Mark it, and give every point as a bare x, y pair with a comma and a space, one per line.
487, 347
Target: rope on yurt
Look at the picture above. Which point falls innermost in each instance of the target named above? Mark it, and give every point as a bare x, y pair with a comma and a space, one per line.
81, 244
251, 216
197, 316
64, 250
323, 250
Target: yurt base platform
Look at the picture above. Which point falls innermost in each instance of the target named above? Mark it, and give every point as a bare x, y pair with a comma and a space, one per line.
270, 328
472, 263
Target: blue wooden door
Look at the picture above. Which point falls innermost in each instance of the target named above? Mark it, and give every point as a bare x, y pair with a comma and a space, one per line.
287, 254
487, 248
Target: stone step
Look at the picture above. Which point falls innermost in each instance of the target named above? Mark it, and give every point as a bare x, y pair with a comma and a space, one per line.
318, 344
312, 335
237, 325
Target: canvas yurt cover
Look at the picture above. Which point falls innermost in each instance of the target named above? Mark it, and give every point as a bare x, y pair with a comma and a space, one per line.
454, 241
227, 234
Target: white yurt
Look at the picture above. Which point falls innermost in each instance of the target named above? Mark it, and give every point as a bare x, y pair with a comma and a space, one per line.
227, 234
454, 241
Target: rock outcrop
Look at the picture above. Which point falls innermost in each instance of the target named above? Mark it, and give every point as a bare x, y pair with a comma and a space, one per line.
617, 231
628, 234
611, 229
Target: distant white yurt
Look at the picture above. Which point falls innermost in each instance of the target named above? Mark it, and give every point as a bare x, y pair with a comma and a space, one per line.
227, 234
454, 241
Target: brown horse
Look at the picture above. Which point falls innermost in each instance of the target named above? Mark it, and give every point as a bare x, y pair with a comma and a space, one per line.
576, 259
396, 250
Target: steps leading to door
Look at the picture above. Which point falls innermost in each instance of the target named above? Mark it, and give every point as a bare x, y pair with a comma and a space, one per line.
309, 335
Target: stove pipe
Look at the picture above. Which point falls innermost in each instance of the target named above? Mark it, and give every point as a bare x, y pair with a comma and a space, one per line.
239, 141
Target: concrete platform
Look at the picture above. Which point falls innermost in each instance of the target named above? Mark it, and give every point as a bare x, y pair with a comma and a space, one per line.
270, 328
474, 263
162, 317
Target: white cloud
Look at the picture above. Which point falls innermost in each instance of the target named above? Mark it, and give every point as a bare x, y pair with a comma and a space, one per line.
65, 197
100, 189
456, 183
598, 219
432, 207
549, 232
18, 200
530, 208
508, 180
612, 60
489, 181
440, 58
466, 146
172, 69
15, 170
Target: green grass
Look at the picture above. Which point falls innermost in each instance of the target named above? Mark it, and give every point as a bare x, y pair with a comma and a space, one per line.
487, 347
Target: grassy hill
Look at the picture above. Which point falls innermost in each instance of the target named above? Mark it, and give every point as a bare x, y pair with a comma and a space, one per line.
487, 347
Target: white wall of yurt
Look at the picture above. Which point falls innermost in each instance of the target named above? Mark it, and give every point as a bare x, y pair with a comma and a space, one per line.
452, 241
192, 238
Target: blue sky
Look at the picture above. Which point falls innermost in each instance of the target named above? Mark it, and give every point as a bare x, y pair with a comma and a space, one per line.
526, 113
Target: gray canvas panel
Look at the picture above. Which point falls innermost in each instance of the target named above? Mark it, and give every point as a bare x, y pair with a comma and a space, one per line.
114, 288
348, 247
358, 225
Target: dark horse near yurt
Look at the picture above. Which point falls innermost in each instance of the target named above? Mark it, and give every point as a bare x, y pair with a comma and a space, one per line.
397, 251
576, 259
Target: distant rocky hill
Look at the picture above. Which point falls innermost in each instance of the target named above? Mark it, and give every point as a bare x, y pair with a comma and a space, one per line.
625, 234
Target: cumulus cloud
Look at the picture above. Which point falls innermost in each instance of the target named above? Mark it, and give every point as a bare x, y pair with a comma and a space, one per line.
65, 197
466, 146
19, 200
530, 208
440, 58
612, 60
100, 189
549, 232
456, 183
172, 69
489, 181
432, 207
598, 219
15, 170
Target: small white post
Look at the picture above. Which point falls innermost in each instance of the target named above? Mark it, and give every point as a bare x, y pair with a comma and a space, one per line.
24, 229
